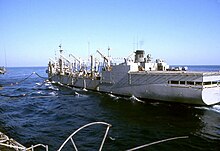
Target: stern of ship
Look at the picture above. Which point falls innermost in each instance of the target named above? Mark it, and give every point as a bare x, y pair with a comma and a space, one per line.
211, 95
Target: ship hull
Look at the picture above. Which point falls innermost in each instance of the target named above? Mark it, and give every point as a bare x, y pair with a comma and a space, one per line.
196, 95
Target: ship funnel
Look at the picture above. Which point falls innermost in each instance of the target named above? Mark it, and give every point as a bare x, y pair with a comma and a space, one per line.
139, 56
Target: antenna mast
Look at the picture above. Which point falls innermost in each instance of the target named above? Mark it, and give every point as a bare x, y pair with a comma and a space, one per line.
5, 58
108, 51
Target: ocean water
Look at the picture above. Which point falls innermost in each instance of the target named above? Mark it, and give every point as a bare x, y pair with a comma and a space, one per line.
34, 111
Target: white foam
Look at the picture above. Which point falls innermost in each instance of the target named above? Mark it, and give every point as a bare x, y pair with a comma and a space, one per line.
84, 89
136, 99
216, 108
38, 83
113, 96
52, 93
51, 87
76, 93
47, 84
39, 92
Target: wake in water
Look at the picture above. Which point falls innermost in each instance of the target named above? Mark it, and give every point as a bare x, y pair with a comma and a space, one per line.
215, 108
40, 89
132, 98
113, 96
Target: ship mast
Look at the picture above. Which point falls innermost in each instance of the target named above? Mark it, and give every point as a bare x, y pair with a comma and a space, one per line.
61, 60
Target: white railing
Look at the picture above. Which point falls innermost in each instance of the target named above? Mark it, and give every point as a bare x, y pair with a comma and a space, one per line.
87, 125
10, 143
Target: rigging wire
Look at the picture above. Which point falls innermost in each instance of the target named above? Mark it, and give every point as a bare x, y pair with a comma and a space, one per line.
21, 81
26, 94
16, 83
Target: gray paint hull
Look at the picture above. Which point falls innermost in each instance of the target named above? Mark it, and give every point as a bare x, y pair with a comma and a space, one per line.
127, 86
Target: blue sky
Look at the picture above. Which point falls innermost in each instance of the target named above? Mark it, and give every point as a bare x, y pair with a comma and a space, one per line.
178, 31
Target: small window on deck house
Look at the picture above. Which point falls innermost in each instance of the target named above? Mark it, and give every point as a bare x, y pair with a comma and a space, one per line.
174, 82
182, 82
198, 83
214, 82
207, 83
190, 82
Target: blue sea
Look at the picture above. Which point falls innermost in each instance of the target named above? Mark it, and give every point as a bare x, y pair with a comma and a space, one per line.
33, 111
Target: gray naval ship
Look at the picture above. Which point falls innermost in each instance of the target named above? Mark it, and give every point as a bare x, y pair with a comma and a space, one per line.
139, 77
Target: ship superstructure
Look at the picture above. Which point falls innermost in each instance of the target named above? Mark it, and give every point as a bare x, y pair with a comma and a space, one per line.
139, 76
